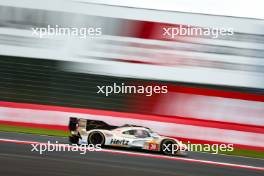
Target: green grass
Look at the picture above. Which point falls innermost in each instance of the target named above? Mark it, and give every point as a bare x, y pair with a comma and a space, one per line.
247, 153
19, 129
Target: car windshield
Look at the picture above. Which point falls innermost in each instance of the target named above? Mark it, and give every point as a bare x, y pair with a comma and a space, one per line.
138, 133
141, 134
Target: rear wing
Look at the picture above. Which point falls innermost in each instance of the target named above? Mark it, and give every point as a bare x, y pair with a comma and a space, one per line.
75, 123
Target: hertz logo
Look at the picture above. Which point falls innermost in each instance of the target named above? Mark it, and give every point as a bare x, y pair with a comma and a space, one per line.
121, 142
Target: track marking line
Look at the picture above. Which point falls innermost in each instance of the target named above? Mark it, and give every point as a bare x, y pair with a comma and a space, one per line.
149, 155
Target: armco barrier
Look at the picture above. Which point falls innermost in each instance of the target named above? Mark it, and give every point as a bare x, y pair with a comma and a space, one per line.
56, 117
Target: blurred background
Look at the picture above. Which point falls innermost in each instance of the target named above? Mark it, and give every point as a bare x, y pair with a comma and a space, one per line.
216, 85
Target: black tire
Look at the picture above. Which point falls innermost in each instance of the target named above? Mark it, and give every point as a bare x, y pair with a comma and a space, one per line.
96, 137
168, 147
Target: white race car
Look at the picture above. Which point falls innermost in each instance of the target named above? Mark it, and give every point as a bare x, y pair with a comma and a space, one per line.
96, 132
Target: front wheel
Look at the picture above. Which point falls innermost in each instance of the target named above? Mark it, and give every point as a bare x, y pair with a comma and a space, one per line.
169, 147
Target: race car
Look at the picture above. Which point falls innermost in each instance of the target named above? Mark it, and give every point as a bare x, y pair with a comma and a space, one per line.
84, 131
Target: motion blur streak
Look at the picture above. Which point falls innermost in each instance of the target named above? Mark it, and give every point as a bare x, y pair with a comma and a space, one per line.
229, 60
215, 82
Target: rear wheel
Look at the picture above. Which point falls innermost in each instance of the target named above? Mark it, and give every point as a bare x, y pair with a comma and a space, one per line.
95, 138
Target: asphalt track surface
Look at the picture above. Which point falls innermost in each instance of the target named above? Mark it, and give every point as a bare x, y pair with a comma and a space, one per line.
18, 159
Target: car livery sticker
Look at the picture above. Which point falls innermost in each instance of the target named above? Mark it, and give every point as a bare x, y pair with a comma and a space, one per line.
119, 142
